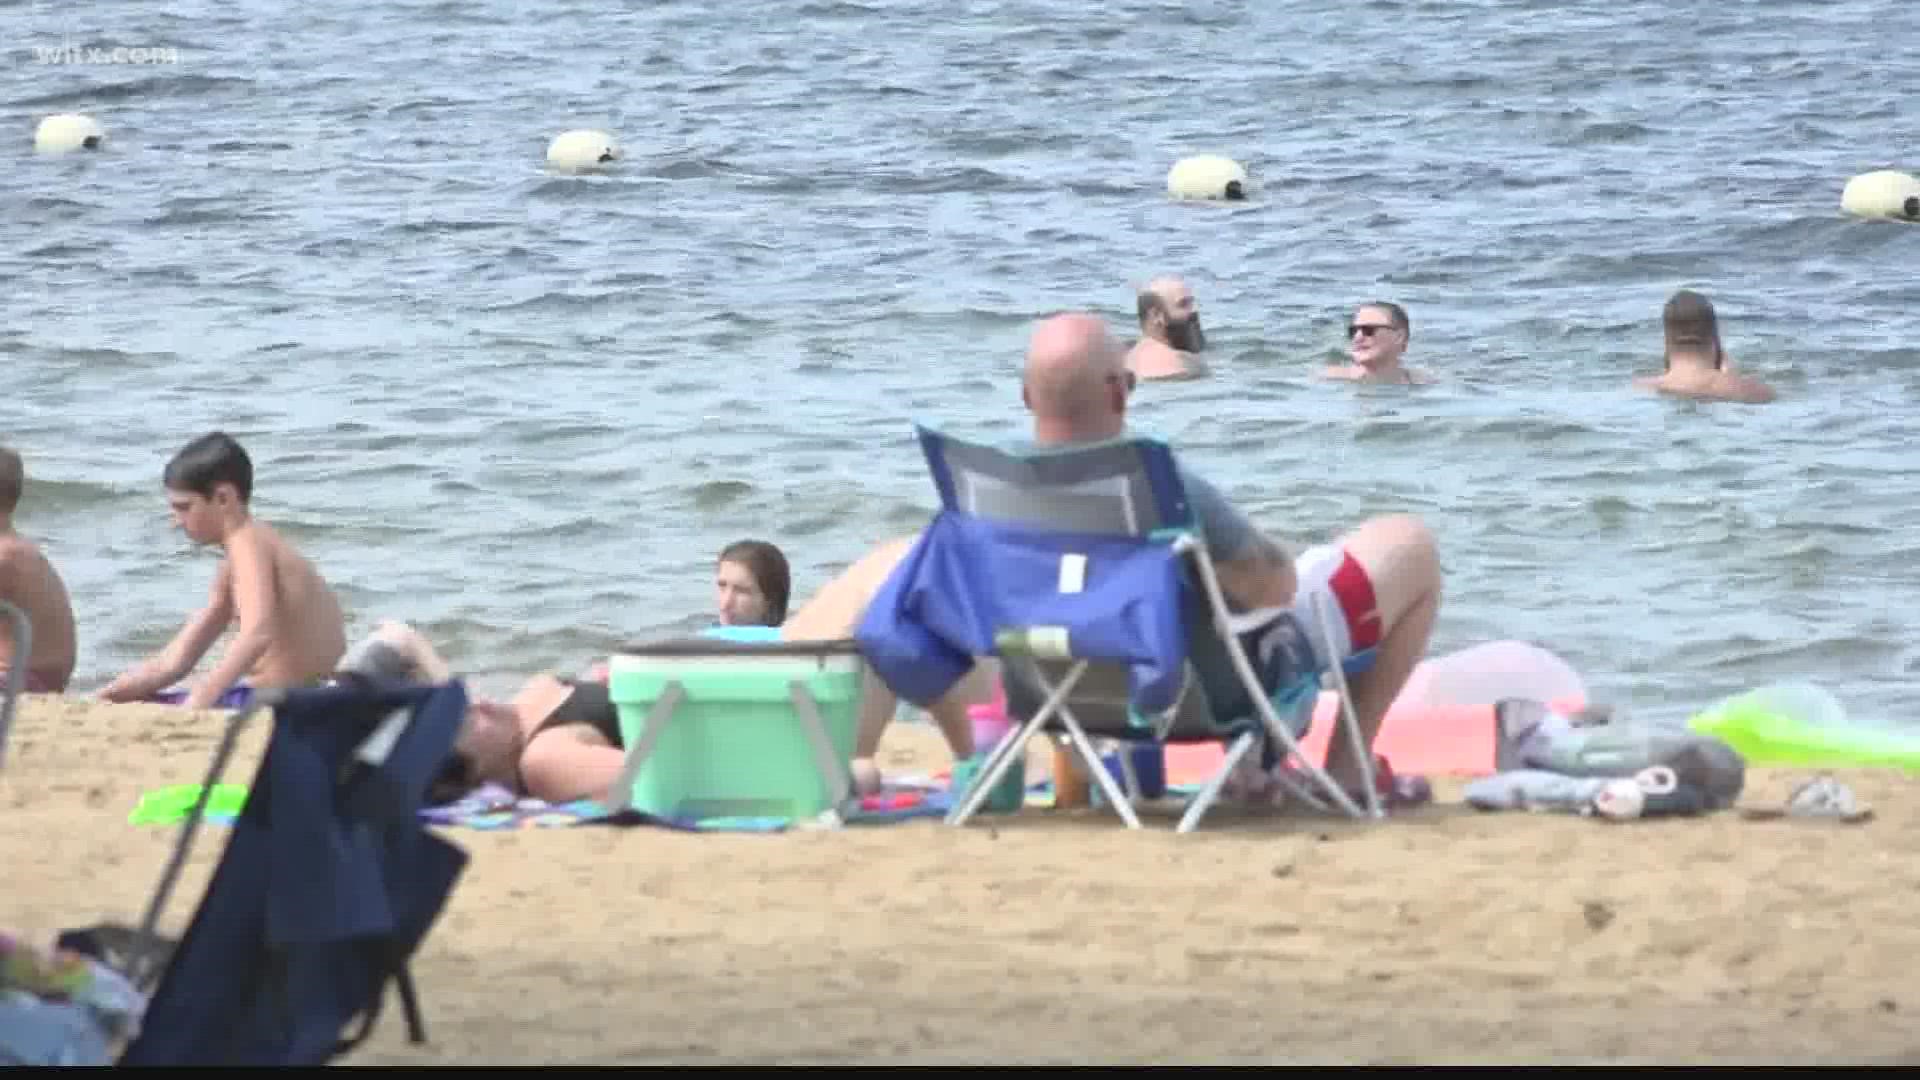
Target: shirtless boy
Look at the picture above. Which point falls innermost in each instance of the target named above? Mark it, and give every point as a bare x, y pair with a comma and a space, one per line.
29, 582
291, 632
1697, 365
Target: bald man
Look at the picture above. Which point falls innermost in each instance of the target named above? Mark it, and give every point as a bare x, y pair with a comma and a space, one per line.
1170, 334
1383, 578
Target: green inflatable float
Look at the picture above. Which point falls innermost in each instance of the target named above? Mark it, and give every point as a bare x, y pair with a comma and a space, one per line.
1801, 724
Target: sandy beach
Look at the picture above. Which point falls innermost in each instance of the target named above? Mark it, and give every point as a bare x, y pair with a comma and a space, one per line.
1443, 935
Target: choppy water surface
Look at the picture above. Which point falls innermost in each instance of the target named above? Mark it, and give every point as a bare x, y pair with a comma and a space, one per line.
526, 411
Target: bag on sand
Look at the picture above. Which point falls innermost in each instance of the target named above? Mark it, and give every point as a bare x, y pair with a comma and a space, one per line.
1591, 743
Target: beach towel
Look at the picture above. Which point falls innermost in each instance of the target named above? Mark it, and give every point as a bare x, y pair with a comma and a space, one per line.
238, 696
492, 807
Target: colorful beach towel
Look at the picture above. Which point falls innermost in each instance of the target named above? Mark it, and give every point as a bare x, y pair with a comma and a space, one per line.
493, 807
236, 697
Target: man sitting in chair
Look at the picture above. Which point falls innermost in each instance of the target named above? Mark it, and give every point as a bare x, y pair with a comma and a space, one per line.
1384, 576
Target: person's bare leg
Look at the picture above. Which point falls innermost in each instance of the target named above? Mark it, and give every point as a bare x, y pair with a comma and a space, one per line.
834, 614
1401, 558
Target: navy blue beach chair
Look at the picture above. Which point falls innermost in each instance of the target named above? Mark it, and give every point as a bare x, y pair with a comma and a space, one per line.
327, 887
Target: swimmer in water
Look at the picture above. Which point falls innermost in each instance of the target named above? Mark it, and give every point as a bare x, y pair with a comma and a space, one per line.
1170, 335
29, 582
1697, 366
1377, 338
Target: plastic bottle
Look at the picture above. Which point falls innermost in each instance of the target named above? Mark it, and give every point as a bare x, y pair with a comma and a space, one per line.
1072, 787
991, 724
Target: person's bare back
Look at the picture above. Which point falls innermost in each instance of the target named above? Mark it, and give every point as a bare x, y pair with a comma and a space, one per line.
29, 582
1696, 362
305, 629
1722, 385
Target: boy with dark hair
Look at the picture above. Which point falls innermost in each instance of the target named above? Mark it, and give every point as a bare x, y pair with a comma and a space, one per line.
291, 631
29, 582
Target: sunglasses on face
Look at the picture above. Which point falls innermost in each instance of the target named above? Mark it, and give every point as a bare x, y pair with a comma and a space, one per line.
1367, 329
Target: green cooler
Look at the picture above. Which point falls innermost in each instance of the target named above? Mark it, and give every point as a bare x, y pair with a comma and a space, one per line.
714, 728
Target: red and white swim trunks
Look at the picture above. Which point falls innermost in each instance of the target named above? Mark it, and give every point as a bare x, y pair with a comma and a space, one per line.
1332, 580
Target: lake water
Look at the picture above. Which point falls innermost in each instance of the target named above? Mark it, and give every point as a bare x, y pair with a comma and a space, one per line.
525, 411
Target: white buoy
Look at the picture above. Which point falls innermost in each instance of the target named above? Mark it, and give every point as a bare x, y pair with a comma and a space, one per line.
68, 132
582, 151
1208, 176
1883, 194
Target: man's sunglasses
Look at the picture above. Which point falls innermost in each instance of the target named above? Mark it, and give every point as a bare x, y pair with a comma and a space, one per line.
1369, 329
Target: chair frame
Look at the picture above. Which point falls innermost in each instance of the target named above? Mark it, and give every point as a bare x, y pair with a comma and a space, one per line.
22, 637
146, 966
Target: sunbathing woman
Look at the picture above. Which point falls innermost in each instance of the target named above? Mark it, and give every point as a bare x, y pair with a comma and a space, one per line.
559, 739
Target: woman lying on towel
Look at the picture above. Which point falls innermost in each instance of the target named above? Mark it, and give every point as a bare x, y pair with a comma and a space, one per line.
557, 740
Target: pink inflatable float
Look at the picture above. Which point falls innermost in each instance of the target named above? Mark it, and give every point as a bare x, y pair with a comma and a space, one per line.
1442, 723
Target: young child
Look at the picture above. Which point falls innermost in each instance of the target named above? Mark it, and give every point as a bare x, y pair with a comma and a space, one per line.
29, 582
291, 632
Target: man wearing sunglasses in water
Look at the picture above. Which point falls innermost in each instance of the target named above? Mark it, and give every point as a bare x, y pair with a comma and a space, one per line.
1377, 339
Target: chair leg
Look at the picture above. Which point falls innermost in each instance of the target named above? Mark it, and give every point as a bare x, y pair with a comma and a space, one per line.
1077, 735
1209, 794
1278, 730
1350, 720
832, 769
1129, 779
143, 972
670, 697
21, 631
1015, 743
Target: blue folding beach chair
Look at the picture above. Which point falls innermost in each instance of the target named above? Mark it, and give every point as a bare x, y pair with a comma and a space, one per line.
327, 886
1084, 571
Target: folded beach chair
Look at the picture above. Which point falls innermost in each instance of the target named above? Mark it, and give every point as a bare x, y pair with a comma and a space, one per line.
16, 683
328, 884
1084, 571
